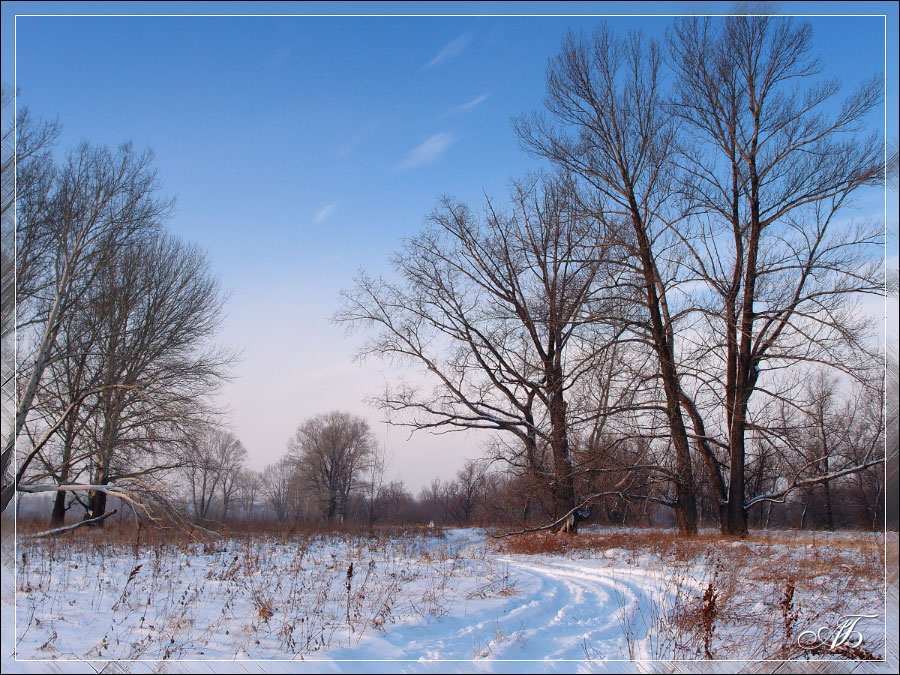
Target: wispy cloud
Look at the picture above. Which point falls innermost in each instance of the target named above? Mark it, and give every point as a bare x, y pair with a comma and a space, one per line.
324, 212
450, 50
349, 146
466, 107
285, 51
427, 152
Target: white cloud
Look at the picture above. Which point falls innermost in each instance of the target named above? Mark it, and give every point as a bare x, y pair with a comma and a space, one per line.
324, 212
450, 50
466, 107
427, 152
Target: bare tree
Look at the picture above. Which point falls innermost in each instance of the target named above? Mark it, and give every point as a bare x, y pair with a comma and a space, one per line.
133, 366
433, 502
280, 486
331, 452
70, 224
729, 190
374, 482
496, 309
608, 126
830, 435
869, 435
466, 494
249, 488
213, 465
158, 307
770, 164
396, 503
232, 466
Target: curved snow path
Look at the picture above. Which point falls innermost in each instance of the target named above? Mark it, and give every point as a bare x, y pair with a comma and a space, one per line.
560, 609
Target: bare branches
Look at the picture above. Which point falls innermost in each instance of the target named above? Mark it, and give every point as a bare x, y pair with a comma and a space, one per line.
82, 215
212, 464
768, 164
330, 453
610, 129
499, 310
114, 325
587, 501
127, 490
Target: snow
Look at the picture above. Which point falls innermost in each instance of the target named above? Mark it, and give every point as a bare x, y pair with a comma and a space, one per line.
432, 601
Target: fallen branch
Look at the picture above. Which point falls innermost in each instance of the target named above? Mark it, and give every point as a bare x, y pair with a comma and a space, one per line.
779, 496
616, 491
69, 528
549, 526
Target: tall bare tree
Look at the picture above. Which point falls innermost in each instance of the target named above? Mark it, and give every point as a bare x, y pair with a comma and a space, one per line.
771, 161
466, 494
159, 307
374, 482
248, 491
730, 191
496, 309
71, 222
282, 488
608, 125
135, 367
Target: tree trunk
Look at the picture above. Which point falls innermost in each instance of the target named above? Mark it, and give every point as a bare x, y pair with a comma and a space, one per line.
735, 513
829, 510
563, 490
58, 516
805, 509
716, 480
96, 504
51, 329
97, 500
661, 330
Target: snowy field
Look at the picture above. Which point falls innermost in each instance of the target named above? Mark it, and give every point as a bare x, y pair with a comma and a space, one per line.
436, 600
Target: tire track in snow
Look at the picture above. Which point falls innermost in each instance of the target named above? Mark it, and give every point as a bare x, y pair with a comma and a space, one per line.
583, 609
561, 609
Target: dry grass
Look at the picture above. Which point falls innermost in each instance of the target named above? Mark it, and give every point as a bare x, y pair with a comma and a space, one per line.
125, 531
669, 543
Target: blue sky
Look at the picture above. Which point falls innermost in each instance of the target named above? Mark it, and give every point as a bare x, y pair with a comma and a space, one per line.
302, 148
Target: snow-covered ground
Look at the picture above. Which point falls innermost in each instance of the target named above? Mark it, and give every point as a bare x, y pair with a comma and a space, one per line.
433, 601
